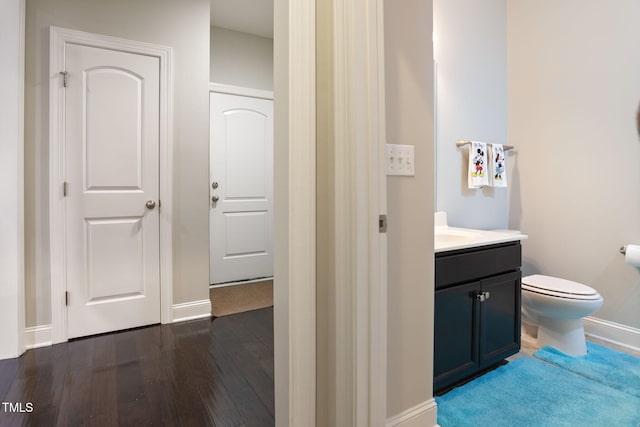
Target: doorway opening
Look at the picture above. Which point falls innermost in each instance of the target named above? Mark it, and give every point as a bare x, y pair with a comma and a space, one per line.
241, 143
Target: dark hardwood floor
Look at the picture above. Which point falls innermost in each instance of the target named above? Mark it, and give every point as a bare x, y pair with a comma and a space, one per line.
214, 372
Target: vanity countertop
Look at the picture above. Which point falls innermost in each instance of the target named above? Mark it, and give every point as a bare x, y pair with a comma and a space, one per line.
452, 238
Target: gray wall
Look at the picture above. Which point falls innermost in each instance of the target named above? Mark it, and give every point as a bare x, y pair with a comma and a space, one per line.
573, 93
410, 205
241, 59
184, 26
471, 103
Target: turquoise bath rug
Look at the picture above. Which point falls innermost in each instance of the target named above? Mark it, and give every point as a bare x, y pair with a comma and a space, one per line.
531, 393
610, 367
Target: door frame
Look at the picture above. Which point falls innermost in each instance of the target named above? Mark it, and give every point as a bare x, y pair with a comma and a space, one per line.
58, 38
361, 197
294, 225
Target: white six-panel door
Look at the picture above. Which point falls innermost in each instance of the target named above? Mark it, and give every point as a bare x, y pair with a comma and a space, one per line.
241, 214
111, 167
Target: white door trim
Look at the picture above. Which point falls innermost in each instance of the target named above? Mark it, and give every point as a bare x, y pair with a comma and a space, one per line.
295, 212
58, 38
240, 90
360, 191
377, 321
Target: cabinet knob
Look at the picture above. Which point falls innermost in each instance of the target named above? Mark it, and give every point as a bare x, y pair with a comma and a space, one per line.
483, 296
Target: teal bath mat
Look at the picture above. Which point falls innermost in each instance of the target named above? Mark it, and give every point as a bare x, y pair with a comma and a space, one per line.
610, 367
530, 393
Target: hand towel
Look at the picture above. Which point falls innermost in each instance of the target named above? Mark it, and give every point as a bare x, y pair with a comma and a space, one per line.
478, 165
498, 166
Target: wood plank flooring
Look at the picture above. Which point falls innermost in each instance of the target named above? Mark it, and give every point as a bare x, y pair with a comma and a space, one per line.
213, 372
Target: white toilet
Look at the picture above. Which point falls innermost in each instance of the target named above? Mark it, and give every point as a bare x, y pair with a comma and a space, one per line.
556, 307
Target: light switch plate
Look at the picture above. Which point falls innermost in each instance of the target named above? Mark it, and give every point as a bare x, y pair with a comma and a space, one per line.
400, 160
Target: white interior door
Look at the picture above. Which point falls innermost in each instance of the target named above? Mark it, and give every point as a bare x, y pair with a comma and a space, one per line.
241, 214
112, 170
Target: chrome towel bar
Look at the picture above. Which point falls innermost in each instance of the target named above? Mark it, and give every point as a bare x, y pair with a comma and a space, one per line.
462, 143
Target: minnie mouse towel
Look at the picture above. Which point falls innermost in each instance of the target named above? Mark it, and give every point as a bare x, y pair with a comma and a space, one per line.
498, 166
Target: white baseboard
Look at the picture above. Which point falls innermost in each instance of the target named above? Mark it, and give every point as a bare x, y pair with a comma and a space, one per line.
614, 333
421, 415
41, 336
191, 310
37, 336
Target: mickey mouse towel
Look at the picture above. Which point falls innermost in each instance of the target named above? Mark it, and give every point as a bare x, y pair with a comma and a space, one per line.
478, 173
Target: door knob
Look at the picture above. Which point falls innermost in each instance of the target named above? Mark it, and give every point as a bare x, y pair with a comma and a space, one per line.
214, 199
214, 185
150, 204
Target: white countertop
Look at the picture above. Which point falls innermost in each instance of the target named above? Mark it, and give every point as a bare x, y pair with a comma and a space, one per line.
451, 238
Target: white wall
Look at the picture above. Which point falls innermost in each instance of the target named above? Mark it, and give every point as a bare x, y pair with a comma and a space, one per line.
11, 179
573, 92
471, 104
241, 59
410, 205
184, 26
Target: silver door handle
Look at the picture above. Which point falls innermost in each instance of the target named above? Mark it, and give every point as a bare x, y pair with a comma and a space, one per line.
150, 204
214, 199
483, 296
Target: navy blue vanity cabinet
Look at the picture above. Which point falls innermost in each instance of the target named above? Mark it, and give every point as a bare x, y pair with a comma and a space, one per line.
477, 310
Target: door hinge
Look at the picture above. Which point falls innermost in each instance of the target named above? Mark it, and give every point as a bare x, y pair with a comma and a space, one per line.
66, 298
64, 78
382, 224
65, 189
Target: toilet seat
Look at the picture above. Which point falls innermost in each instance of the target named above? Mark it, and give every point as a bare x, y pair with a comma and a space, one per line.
556, 287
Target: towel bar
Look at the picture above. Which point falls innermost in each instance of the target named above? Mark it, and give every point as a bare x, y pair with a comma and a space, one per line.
463, 143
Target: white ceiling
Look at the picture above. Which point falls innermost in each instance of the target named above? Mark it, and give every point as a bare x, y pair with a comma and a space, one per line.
248, 16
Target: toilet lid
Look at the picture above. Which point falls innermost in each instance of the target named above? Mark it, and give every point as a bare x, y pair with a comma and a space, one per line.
559, 287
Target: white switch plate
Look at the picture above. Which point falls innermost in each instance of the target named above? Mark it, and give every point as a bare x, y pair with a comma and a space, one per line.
400, 160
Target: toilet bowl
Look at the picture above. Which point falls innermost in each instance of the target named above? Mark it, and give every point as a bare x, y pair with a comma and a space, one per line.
556, 306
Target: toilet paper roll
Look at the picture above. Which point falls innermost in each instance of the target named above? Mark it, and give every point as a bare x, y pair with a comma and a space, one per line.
632, 256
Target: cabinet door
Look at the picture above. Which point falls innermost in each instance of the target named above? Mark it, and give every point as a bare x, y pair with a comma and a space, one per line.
500, 318
456, 334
